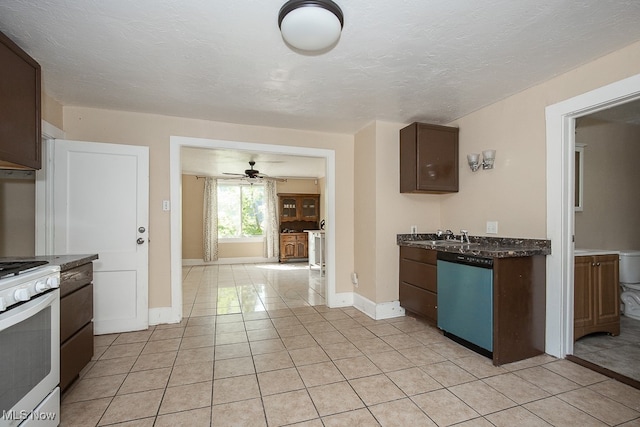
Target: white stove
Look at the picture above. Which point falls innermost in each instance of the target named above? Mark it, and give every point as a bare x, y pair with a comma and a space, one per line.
21, 281
29, 344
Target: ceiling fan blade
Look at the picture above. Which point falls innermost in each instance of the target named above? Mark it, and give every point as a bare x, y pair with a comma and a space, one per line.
233, 174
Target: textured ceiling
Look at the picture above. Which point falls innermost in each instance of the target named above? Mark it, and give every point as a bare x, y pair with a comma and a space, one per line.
399, 61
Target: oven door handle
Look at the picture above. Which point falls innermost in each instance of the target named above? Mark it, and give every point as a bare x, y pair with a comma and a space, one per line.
13, 316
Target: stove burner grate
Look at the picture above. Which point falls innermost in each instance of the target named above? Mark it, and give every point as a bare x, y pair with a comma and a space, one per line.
16, 267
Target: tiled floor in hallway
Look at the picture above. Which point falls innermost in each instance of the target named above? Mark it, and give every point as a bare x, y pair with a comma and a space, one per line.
255, 350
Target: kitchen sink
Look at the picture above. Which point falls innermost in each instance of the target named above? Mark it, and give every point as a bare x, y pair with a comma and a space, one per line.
446, 243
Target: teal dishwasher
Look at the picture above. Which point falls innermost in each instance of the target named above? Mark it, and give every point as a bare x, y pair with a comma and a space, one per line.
465, 300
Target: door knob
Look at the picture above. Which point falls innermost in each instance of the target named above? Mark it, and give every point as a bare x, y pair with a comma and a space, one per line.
140, 240
141, 230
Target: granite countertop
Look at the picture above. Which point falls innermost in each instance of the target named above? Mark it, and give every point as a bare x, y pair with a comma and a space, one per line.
65, 262
490, 247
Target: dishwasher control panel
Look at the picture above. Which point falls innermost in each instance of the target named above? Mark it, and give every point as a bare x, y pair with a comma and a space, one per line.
472, 260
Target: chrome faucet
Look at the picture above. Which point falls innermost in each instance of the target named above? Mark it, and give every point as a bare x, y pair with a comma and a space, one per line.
464, 235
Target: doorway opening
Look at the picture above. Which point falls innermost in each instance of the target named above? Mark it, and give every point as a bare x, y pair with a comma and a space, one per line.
176, 145
560, 120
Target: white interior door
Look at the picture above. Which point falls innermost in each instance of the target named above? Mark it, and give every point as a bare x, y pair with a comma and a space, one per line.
101, 205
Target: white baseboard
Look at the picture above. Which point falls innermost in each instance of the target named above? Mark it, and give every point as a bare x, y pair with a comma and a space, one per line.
342, 299
384, 310
162, 315
224, 261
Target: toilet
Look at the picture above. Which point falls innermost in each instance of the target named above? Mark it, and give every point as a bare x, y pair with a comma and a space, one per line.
630, 282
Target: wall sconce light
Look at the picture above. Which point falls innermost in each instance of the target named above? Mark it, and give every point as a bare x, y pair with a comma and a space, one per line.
488, 157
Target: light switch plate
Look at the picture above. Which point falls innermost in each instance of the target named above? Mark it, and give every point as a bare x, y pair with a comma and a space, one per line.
166, 205
492, 227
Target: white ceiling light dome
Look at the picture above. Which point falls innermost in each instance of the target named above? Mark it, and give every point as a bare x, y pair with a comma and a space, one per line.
310, 25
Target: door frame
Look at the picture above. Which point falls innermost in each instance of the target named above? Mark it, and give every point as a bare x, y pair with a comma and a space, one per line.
44, 190
560, 133
175, 176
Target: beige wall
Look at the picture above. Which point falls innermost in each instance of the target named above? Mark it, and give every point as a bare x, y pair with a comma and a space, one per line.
192, 219
382, 211
17, 215
514, 193
52, 111
303, 186
611, 215
154, 131
192, 214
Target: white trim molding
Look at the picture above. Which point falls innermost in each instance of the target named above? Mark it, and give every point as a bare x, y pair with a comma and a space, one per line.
162, 315
560, 119
379, 311
44, 190
175, 176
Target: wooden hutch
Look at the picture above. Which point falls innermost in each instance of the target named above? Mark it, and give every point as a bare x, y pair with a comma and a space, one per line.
298, 212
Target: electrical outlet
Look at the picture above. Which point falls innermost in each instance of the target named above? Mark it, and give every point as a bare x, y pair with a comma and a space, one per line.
354, 279
414, 229
166, 205
492, 227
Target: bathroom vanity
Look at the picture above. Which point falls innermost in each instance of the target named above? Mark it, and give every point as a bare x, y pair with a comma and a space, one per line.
596, 293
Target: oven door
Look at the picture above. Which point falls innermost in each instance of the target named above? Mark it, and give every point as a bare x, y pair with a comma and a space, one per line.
30, 362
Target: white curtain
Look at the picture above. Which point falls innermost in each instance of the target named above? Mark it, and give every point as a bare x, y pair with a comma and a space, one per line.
210, 219
271, 231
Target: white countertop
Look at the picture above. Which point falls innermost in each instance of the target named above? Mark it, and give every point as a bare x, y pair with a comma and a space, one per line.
592, 252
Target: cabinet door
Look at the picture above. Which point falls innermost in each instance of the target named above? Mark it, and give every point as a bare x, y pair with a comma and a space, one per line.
288, 246
607, 300
301, 246
582, 295
428, 159
20, 107
309, 208
437, 160
289, 209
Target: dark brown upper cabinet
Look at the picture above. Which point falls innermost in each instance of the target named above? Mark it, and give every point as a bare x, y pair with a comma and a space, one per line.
428, 159
19, 108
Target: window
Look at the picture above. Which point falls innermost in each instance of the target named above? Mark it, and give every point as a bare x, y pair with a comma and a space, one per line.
241, 210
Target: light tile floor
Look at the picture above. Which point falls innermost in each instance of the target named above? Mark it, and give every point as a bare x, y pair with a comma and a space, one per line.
620, 353
258, 347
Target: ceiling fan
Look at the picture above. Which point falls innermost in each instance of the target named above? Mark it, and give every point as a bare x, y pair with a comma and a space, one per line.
254, 175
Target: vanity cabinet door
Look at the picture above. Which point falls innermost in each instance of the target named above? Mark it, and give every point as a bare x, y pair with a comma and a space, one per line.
596, 299
582, 296
607, 291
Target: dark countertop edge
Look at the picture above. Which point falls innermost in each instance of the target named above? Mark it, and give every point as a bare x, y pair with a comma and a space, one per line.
66, 262
494, 247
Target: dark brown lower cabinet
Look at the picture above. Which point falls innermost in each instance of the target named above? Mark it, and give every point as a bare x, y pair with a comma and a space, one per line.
418, 282
76, 322
519, 306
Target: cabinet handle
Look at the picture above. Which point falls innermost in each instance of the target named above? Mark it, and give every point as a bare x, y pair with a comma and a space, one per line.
598, 264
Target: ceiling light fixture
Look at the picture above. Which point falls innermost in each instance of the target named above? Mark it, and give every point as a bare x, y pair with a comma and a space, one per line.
310, 25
